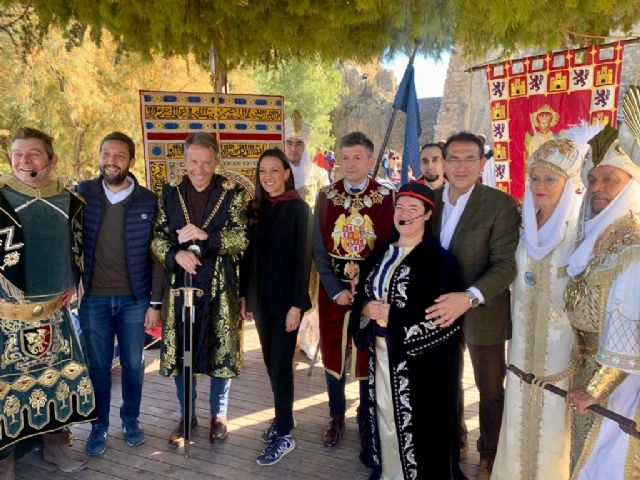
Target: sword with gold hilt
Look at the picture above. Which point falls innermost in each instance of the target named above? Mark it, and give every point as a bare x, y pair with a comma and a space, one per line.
188, 292
627, 425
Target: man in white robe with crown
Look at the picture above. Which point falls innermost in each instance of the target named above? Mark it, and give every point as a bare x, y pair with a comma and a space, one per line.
309, 179
602, 299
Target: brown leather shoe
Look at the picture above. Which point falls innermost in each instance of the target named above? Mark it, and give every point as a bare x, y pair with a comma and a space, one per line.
56, 450
218, 431
486, 466
334, 432
177, 436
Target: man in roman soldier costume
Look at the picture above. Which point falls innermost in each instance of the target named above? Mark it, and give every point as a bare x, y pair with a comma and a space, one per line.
353, 215
44, 382
603, 303
309, 179
200, 233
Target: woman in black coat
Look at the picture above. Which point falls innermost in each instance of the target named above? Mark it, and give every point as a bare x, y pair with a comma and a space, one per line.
274, 286
413, 364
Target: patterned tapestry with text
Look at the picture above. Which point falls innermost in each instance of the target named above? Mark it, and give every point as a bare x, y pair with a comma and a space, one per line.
244, 125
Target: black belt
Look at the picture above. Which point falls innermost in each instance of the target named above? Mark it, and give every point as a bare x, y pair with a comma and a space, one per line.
379, 331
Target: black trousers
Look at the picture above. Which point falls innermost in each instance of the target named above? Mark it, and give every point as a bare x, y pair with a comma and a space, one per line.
489, 370
278, 347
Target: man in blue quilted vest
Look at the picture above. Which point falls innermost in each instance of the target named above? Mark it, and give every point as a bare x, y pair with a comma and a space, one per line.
122, 285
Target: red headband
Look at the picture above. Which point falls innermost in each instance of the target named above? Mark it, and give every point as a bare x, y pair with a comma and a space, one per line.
418, 196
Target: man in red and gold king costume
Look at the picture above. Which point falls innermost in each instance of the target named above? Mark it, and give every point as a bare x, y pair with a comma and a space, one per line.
353, 215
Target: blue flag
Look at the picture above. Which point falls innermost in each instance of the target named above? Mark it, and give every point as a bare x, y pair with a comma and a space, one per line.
407, 101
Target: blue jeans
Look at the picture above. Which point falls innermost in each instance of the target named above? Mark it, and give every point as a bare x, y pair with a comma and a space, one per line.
218, 395
102, 318
337, 399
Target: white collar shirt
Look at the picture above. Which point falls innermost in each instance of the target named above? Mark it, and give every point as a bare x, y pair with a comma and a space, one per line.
451, 215
349, 188
118, 196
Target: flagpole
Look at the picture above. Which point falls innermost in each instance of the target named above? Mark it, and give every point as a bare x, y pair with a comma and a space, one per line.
392, 120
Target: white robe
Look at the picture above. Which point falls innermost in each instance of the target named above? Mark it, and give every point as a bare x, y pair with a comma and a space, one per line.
309, 332
535, 433
608, 456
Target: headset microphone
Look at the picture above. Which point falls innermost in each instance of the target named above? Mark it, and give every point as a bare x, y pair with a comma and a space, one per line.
35, 173
408, 222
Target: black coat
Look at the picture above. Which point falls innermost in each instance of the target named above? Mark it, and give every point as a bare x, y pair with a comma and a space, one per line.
276, 265
423, 362
217, 346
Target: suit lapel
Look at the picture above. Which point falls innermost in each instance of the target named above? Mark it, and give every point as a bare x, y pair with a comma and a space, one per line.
470, 211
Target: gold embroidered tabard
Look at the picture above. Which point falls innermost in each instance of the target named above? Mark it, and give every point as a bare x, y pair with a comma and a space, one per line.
351, 223
586, 298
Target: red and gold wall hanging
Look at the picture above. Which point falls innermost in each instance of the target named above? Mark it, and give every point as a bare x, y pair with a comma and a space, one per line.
533, 99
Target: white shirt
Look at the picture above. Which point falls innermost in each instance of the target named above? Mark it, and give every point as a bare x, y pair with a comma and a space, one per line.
348, 187
118, 196
450, 217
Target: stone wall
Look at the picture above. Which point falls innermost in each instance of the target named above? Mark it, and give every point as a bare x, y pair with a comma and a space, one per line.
366, 105
465, 103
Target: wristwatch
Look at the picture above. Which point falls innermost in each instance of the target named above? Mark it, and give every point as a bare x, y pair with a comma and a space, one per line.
473, 300
156, 306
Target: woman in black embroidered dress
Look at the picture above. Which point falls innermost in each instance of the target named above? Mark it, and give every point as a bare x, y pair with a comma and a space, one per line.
413, 364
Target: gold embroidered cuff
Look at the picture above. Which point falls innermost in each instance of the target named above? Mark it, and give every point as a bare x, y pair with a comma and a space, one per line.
605, 381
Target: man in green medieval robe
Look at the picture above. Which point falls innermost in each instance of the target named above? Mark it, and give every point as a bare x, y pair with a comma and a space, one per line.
44, 382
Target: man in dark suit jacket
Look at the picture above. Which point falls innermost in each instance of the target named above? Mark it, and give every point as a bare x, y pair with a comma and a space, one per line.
479, 226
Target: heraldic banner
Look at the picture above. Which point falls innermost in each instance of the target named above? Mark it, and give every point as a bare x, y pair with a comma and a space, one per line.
534, 98
244, 125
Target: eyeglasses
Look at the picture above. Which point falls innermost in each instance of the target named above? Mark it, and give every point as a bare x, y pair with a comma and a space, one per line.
461, 161
395, 158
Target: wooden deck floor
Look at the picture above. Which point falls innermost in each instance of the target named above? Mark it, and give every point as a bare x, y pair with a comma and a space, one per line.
250, 410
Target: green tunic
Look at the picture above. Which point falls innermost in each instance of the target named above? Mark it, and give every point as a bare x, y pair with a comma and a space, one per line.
44, 382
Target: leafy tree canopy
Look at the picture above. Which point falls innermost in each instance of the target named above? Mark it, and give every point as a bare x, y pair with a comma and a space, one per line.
78, 94
310, 86
266, 31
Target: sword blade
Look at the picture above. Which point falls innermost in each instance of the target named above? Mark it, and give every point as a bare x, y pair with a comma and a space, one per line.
188, 316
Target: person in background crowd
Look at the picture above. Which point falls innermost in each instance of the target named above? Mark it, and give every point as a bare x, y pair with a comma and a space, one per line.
395, 165
432, 165
489, 171
200, 233
331, 160
274, 286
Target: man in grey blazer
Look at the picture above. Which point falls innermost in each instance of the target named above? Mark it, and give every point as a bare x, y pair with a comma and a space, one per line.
479, 226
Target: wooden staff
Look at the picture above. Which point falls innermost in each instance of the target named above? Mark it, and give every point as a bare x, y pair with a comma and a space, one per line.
627, 425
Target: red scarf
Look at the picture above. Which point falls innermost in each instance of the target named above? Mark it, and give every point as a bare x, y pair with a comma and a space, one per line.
283, 197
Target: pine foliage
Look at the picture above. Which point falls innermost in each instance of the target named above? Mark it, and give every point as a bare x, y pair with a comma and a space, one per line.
268, 31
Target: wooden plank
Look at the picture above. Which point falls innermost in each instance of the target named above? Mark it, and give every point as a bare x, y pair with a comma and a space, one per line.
250, 410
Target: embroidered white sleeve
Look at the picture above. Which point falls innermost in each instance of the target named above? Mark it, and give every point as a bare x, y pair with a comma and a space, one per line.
620, 339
